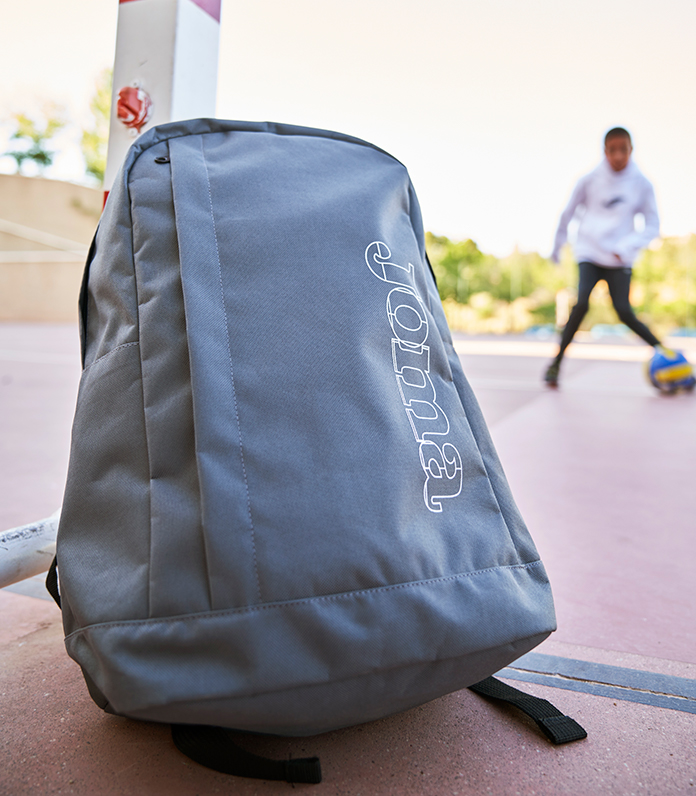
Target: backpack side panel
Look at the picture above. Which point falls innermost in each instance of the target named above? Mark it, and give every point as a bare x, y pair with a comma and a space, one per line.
107, 485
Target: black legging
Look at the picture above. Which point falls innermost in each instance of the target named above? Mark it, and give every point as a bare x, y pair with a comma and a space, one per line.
619, 282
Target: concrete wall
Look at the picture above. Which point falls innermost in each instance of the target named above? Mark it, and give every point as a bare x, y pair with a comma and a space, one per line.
40, 292
45, 229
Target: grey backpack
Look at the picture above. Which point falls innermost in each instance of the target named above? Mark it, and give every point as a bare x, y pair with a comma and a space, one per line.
284, 513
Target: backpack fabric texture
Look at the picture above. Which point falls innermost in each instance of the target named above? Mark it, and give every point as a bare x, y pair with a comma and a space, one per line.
284, 512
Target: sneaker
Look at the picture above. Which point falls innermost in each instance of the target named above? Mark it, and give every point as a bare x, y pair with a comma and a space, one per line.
551, 375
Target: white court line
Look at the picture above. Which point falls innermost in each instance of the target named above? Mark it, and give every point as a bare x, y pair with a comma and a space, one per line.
529, 348
569, 385
507, 384
38, 357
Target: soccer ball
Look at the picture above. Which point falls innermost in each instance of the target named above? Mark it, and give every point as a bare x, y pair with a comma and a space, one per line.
670, 371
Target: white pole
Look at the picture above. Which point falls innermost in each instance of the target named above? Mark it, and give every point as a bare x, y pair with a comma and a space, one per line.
165, 69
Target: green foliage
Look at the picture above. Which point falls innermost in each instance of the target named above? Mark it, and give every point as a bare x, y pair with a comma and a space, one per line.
462, 270
34, 133
458, 267
95, 139
665, 282
485, 293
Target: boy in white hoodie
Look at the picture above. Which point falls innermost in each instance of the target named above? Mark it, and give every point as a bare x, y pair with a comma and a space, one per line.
607, 242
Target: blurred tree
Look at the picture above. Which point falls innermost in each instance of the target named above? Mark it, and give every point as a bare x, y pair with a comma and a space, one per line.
461, 269
665, 282
481, 290
34, 132
95, 139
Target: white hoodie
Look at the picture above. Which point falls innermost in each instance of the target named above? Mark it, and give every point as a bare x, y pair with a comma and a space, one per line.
610, 200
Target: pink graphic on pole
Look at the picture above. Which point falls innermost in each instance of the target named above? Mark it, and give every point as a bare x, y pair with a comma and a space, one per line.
134, 107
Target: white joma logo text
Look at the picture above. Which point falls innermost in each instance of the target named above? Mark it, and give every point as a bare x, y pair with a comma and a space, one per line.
408, 319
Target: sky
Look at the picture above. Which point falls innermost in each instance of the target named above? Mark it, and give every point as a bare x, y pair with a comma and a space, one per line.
495, 107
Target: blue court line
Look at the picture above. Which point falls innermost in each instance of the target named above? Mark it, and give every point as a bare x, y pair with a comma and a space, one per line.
615, 682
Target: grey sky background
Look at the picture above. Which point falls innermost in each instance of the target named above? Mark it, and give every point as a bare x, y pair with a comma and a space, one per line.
496, 108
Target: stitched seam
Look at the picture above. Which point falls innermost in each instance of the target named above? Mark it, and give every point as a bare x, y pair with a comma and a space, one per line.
275, 129
309, 600
109, 353
234, 391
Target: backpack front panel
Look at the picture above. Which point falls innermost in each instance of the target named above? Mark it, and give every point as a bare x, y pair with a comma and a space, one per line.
324, 500
309, 424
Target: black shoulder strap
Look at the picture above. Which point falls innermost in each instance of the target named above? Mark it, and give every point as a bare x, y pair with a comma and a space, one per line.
214, 748
52, 581
557, 727
83, 301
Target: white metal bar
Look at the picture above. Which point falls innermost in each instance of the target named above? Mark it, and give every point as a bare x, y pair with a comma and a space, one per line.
27, 550
39, 236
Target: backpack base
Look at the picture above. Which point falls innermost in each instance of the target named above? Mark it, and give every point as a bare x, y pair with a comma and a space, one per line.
302, 711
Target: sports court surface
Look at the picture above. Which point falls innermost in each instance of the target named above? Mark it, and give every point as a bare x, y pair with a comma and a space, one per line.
603, 471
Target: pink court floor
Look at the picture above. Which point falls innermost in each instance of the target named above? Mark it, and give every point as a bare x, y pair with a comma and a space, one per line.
603, 470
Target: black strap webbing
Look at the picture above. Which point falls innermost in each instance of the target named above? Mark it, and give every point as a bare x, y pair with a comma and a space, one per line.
52, 581
213, 747
557, 727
